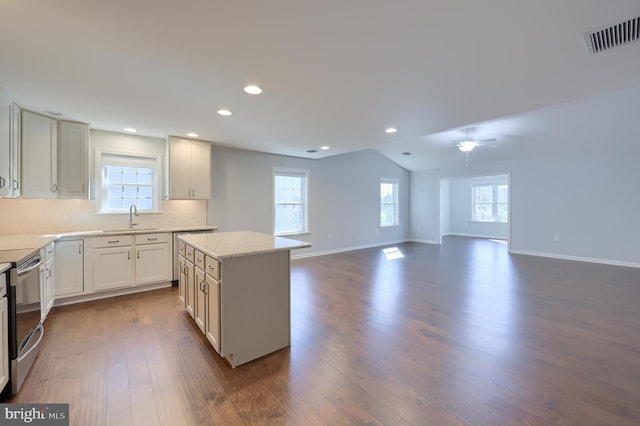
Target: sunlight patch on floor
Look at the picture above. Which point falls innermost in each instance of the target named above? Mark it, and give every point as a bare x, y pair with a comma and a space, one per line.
392, 253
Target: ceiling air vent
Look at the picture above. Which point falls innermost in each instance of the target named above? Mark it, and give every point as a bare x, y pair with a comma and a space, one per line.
611, 36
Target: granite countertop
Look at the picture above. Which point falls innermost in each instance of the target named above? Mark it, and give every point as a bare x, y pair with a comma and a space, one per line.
222, 245
15, 247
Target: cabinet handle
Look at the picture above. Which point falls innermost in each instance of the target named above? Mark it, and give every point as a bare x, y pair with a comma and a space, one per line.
2, 182
129, 255
198, 259
54, 187
138, 254
79, 248
113, 241
209, 267
15, 184
152, 239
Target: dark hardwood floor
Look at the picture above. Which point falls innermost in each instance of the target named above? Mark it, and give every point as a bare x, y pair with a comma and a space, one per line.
462, 333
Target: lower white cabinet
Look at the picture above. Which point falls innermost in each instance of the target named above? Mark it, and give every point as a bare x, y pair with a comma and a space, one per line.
153, 258
69, 270
190, 288
182, 280
47, 296
212, 325
122, 261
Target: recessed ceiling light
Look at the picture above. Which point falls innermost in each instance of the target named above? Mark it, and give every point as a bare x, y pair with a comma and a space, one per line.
192, 135
252, 89
224, 112
391, 130
130, 129
324, 147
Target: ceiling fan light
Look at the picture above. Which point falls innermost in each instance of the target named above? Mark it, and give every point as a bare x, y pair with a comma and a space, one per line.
466, 146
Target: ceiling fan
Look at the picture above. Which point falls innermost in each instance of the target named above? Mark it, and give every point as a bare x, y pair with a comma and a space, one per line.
467, 144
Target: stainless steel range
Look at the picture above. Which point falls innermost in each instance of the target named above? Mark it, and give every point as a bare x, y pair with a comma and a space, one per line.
25, 326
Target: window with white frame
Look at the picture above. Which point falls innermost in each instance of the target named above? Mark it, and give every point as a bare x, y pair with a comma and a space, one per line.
127, 180
290, 201
490, 203
388, 202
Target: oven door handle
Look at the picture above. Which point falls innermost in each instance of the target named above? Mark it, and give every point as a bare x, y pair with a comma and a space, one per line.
39, 328
32, 265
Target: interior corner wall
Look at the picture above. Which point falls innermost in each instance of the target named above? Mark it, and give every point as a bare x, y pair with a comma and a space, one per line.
344, 197
588, 200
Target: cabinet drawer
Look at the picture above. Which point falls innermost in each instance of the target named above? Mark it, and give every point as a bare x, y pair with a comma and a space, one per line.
189, 252
181, 248
112, 241
152, 238
199, 259
212, 267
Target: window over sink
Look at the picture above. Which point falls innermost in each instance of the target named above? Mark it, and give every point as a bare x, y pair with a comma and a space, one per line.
127, 180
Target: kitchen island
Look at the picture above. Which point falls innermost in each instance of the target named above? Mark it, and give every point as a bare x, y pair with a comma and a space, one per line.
236, 286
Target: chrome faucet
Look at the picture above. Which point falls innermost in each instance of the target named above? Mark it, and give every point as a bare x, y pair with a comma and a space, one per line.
133, 211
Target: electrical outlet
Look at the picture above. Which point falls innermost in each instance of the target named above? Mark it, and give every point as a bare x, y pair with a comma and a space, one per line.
556, 238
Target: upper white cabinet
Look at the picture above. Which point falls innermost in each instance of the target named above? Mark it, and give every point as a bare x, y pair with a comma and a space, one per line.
189, 169
39, 156
73, 170
9, 147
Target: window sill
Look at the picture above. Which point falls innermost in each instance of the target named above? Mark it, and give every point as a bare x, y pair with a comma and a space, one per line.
292, 234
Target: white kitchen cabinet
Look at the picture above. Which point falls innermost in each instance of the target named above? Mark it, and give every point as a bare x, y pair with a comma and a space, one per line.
47, 281
190, 288
112, 262
153, 258
73, 166
182, 280
69, 270
9, 147
5, 145
189, 169
212, 325
200, 313
39, 156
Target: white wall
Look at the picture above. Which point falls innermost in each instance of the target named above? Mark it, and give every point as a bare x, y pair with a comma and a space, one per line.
344, 197
460, 197
589, 199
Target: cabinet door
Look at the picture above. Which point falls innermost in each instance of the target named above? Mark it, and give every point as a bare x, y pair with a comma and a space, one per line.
182, 280
4, 342
15, 150
112, 268
179, 169
72, 155
200, 312
69, 270
191, 288
47, 281
153, 263
200, 170
39, 156
5, 145
212, 327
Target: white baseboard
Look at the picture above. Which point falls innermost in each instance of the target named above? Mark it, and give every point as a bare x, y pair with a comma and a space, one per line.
342, 250
577, 258
495, 237
417, 240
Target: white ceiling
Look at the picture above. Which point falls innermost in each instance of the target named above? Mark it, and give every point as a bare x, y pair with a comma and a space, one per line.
333, 72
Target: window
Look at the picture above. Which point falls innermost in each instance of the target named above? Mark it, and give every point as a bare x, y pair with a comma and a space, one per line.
290, 201
127, 180
388, 202
490, 203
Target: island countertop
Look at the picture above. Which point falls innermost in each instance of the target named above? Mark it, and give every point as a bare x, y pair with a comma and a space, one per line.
222, 245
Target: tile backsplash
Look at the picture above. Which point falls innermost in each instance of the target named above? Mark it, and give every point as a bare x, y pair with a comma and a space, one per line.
28, 216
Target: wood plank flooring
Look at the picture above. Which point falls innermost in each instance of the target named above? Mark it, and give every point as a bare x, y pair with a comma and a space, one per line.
462, 333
